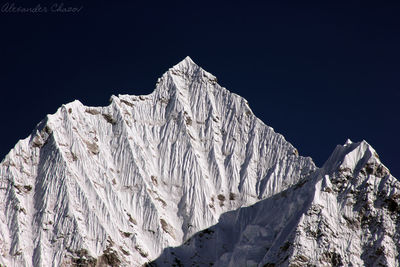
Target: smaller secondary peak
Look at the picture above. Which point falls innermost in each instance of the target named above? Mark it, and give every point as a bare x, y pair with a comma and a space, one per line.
351, 156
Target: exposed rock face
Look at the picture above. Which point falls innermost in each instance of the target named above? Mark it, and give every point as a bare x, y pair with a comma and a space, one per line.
115, 185
345, 214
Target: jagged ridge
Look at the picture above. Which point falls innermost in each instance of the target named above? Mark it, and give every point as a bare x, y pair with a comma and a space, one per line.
116, 185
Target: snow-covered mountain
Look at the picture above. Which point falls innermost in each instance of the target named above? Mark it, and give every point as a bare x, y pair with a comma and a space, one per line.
188, 175
345, 214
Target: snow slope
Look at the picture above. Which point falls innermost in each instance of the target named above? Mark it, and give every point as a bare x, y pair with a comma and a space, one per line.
115, 185
344, 214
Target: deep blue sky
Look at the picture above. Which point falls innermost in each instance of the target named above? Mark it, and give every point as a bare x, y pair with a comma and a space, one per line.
317, 72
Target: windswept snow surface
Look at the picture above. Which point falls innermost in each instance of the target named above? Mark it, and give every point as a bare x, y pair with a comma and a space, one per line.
116, 185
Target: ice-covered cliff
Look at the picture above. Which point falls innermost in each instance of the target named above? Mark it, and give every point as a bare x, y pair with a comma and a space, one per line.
116, 185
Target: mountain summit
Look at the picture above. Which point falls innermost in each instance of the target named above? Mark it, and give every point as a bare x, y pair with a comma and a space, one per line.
188, 175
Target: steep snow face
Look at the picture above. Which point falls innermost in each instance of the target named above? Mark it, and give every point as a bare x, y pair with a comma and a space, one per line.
116, 185
345, 214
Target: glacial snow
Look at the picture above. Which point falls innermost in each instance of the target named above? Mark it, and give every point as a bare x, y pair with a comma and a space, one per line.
184, 176
117, 185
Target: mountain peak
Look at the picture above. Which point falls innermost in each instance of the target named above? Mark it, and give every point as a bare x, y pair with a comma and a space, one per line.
187, 68
180, 75
186, 64
160, 167
187, 60
145, 173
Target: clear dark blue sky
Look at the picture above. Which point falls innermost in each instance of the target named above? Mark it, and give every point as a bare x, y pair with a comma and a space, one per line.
318, 72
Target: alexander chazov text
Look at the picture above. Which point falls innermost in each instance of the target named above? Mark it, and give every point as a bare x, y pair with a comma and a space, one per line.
11, 7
